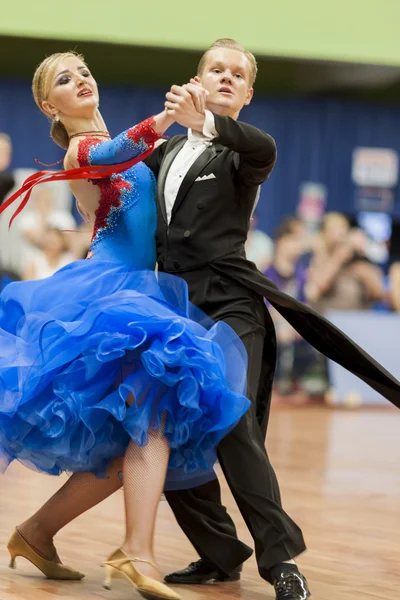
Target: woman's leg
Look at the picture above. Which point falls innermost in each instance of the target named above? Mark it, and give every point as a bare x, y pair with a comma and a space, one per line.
81, 492
144, 475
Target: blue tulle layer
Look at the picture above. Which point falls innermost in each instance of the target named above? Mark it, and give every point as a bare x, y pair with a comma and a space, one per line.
77, 347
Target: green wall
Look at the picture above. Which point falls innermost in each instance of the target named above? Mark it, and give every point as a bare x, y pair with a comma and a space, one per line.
341, 30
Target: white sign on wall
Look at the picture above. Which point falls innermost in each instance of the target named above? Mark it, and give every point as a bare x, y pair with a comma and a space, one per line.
375, 167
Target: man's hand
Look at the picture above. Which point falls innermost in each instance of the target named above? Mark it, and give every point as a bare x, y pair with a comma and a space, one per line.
186, 105
198, 93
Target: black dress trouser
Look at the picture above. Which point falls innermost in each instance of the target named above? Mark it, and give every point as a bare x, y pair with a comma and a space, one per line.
242, 454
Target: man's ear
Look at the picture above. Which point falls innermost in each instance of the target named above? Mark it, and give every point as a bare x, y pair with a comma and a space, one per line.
250, 93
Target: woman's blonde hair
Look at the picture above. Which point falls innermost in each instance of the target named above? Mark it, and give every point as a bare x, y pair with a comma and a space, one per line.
41, 86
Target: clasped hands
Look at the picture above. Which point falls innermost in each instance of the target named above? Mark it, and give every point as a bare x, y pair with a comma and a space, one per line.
186, 104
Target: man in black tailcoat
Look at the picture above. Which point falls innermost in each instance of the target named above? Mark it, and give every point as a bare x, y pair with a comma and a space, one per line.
208, 184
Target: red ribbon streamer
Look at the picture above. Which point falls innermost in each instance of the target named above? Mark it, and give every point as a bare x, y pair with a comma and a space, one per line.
88, 172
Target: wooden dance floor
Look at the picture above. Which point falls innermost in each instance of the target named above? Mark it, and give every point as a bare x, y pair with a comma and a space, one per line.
340, 479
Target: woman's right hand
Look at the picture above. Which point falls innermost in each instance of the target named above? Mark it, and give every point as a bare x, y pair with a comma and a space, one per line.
162, 121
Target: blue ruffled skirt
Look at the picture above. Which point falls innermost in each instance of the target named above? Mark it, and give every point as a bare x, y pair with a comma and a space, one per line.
98, 355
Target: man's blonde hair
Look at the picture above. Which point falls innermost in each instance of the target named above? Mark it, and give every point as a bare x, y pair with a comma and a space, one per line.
232, 45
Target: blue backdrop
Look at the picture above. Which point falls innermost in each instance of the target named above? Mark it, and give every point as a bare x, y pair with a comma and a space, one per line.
315, 138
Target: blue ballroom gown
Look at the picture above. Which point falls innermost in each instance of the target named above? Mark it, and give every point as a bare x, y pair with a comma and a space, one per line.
78, 347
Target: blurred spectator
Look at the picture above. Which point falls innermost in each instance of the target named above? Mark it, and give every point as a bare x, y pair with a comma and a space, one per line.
340, 276
6, 178
298, 364
394, 286
53, 256
285, 270
259, 246
49, 205
41, 214
6, 185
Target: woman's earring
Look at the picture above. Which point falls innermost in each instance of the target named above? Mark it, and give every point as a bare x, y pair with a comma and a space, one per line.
56, 119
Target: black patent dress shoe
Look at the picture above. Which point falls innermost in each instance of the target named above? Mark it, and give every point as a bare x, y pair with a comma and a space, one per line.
199, 572
291, 586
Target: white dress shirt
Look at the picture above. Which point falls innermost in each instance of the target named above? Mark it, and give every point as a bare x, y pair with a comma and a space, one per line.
186, 157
